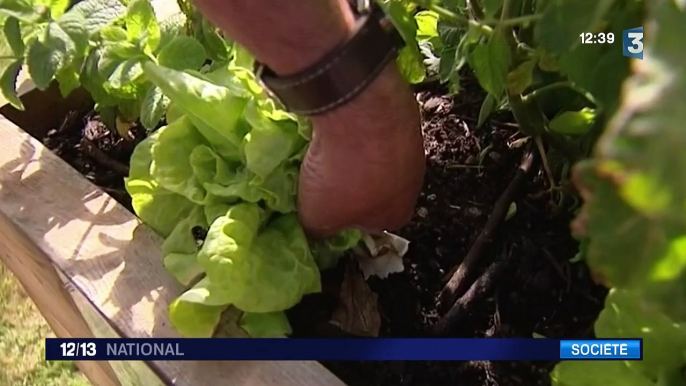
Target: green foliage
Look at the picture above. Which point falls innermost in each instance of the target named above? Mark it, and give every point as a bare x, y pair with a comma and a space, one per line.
227, 162
563, 21
491, 62
634, 214
632, 227
196, 26
270, 325
573, 122
102, 46
519, 79
50, 40
410, 58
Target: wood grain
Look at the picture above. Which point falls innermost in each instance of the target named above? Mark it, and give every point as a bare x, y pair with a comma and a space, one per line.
113, 259
36, 274
129, 373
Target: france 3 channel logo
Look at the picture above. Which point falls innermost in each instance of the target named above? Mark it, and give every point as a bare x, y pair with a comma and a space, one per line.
632, 43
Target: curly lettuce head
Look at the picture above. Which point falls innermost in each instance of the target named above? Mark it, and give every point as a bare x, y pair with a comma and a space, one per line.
227, 163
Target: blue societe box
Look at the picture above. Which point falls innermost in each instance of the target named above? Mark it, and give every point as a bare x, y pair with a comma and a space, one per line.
609, 349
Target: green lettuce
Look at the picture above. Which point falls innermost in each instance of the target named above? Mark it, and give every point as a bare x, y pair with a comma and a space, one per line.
219, 183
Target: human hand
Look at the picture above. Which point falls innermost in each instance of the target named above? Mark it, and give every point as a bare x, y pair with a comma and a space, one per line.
365, 165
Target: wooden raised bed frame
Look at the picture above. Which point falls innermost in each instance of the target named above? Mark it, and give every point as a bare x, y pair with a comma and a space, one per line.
91, 267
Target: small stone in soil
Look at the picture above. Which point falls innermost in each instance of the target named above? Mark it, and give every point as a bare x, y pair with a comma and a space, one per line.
433, 104
422, 212
472, 211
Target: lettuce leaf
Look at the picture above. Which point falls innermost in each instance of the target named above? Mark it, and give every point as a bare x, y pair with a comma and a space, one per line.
270, 325
258, 271
159, 208
227, 163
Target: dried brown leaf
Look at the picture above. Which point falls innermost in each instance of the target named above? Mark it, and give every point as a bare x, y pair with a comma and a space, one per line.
357, 312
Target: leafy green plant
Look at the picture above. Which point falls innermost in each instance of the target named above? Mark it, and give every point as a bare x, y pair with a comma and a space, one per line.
101, 45
633, 219
211, 38
50, 40
227, 162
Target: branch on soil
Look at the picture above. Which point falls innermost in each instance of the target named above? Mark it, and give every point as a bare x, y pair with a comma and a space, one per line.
462, 278
482, 288
102, 158
544, 161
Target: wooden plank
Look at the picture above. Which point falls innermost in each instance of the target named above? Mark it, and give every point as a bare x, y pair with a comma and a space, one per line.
40, 281
113, 259
129, 373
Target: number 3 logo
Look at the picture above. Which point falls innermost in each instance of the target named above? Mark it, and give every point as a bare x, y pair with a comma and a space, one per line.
637, 42
632, 46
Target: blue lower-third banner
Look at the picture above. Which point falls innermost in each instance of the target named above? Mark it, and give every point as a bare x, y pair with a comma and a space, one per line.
380, 349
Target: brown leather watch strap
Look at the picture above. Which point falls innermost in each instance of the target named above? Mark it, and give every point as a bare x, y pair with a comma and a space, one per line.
342, 74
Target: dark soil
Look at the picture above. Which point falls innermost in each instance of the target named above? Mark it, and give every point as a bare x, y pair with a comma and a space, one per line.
544, 293
467, 171
98, 153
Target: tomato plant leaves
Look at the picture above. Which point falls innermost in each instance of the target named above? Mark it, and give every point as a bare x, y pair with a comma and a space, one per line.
573, 122
487, 107
409, 58
142, 25
491, 7
427, 29
182, 53
491, 62
21, 9
634, 215
564, 20
521, 77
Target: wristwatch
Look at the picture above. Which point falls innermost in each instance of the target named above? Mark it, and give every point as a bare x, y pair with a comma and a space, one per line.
344, 72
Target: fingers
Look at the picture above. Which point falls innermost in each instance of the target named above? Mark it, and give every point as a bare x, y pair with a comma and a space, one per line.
334, 200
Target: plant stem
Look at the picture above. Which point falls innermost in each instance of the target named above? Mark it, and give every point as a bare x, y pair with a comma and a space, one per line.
8, 57
484, 27
544, 161
515, 20
554, 86
482, 288
455, 18
547, 88
525, 48
462, 276
476, 9
505, 13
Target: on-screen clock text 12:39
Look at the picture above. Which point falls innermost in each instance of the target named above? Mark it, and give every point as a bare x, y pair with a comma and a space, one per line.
599, 38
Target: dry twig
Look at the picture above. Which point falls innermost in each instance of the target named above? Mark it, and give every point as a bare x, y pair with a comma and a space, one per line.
463, 276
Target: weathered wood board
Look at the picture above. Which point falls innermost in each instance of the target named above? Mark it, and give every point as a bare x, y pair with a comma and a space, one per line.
57, 228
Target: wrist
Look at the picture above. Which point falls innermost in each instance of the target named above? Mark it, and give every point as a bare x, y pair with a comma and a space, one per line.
287, 36
386, 108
